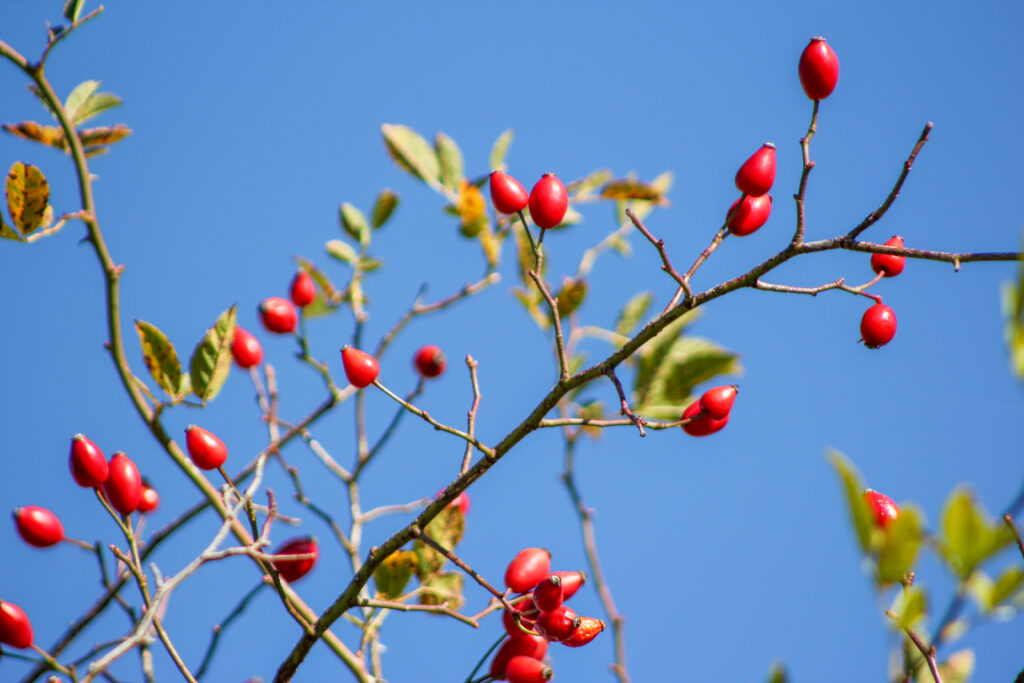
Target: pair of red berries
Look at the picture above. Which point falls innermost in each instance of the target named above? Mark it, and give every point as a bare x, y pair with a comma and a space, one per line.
122, 484
520, 658
293, 570
362, 369
754, 178
548, 200
711, 411
878, 324
279, 315
883, 508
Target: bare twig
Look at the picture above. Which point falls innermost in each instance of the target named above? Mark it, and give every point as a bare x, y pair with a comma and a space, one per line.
805, 149
659, 244
624, 403
466, 568
927, 652
1016, 534
471, 415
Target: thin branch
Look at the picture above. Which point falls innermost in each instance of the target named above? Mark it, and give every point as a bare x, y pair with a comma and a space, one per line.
927, 652
466, 568
805, 149
659, 244
814, 291
218, 629
384, 510
1016, 534
471, 415
434, 609
364, 459
624, 403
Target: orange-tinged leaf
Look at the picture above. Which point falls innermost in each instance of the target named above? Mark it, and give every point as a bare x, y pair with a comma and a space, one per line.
104, 135
28, 195
394, 573
631, 188
30, 130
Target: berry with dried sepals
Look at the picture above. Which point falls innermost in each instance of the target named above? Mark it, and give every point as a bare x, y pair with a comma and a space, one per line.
704, 424
528, 646
246, 348
523, 669
429, 361
548, 594
818, 69
878, 326
278, 315
717, 401
757, 174
587, 631
549, 201
303, 289
557, 625
123, 487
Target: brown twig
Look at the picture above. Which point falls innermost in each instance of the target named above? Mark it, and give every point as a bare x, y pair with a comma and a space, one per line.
814, 291
659, 244
805, 149
471, 415
624, 403
927, 652
418, 533
1016, 534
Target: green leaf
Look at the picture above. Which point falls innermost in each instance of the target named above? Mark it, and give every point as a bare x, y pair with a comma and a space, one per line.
449, 159
411, 152
1005, 586
96, 105
28, 195
9, 233
1013, 311
383, 207
443, 588
632, 312
593, 410
853, 487
160, 357
777, 674
368, 265
526, 259
446, 529
653, 352
910, 606
73, 8
498, 150
82, 92
570, 296
354, 223
393, 574
592, 181
969, 537
211, 359
689, 361
341, 250
899, 550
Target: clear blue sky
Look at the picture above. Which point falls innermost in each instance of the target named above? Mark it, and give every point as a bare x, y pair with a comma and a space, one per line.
253, 121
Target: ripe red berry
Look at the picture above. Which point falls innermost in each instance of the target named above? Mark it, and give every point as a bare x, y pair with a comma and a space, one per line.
88, 465
751, 214
717, 402
278, 315
819, 69
124, 485
757, 173
293, 570
558, 624
703, 425
548, 594
571, 582
246, 348
360, 367
529, 614
588, 630
15, 628
548, 201
303, 289
429, 361
521, 669
150, 499
527, 568
889, 265
882, 507
507, 194
38, 526
878, 326
206, 450
533, 647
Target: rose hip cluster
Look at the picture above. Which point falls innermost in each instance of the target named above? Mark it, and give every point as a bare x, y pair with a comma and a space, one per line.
710, 411
541, 617
548, 200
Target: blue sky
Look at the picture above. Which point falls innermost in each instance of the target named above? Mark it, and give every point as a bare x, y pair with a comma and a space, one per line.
253, 121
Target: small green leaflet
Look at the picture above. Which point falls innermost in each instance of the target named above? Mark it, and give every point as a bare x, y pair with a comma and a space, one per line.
211, 359
449, 159
498, 150
383, 207
354, 223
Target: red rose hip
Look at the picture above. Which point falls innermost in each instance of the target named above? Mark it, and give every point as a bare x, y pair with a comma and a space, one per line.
703, 425
889, 265
123, 487
878, 326
571, 582
293, 570
246, 348
717, 402
523, 669
751, 214
527, 569
529, 614
150, 499
15, 628
757, 173
303, 290
548, 594
207, 451
549, 201
557, 625
533, 647
818, 69
884, 510
507, 194
38, 526
88, 465
587, 631
278, 315
429, 361
360, 367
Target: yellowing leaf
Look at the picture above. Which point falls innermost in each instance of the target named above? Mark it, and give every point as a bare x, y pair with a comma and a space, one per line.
28, 195
411, 152
903, 539
571, 296
442, 589
631, 188
354, 223
383, 207
394, 573
30, 130
498, 150
343, 251
104, 135
449, 159
160, 357
82, 92
211, 359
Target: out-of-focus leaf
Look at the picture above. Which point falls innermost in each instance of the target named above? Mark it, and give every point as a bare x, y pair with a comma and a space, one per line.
319, 307
411, 152
8, 233
96, 151
969, 537
531, 303
979, 587
853, 487
498, 150
368, 265
28, 195
1005, 586
73, 8
653, 353
689, 362
95, 105
526, 259
643, 208
321, 279
446, 529
211, 359
593, 410
449, 159
910, 606
341, 250
591, 182
1013, 311
354, 223
632, 312
571, 217
383, 207
632, 188
441, 589
491, 245
30, 130
571, 296
777, 674
393, 574
82, 92
957, 668
160, 357
472, 209
103, 135
899, 550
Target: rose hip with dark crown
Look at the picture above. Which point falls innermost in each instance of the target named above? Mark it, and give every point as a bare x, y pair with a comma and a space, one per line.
878, 326
88, 464
521, 669
751, 214
571, 582
507, 194
38, 526
15, 628
889, 265
429, 361
548, 594
205, 448
549, 201
293, 570
558, 624
757, 174
123, 487
534, 647
588, 629
303, 289
278, 315
360, 367
246, 348
818, 69
527, 568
